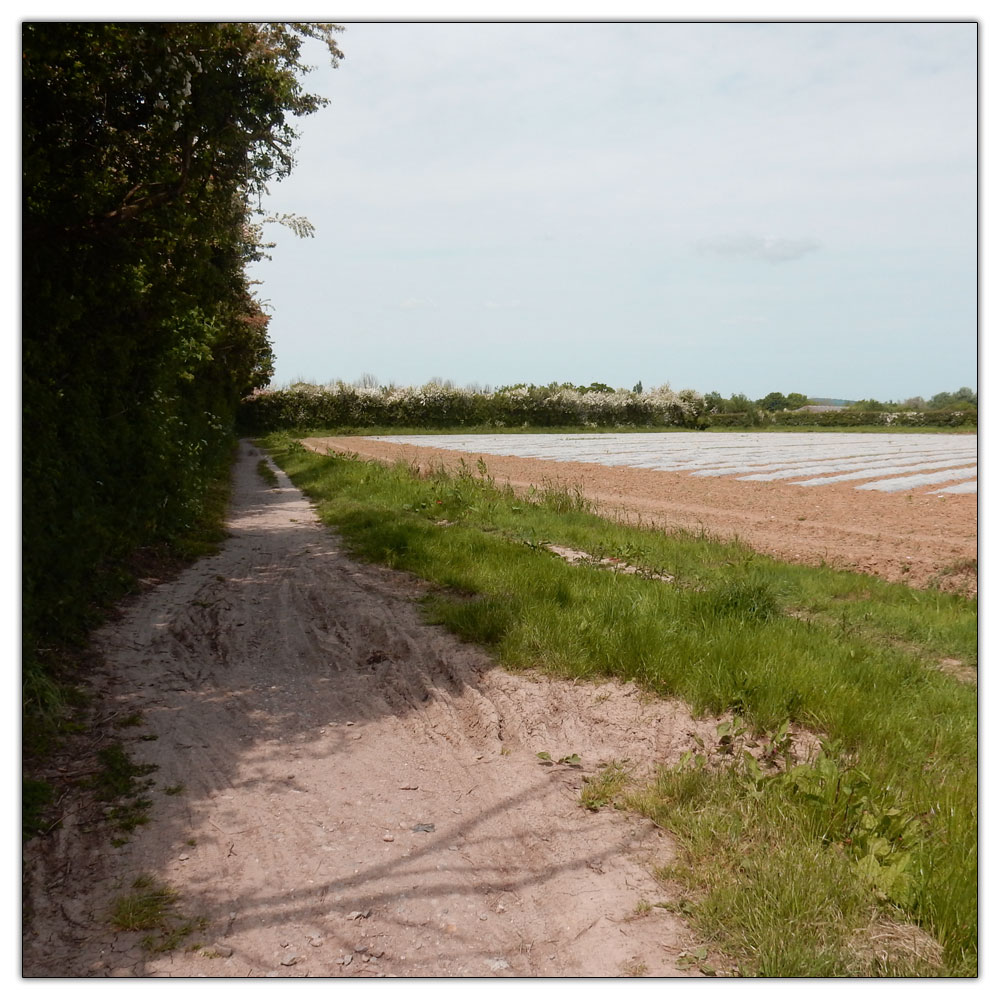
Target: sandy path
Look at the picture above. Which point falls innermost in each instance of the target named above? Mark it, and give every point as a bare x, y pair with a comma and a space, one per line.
352, 779
898, 536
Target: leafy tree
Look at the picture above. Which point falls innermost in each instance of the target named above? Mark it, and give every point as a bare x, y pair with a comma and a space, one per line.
773, 401
714, 402
795, 400
740, 403
145, 150
960, 399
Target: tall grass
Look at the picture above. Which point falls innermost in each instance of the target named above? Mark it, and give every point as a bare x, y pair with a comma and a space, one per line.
853, 658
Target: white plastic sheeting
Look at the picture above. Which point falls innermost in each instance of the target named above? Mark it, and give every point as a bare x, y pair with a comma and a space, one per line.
890, 461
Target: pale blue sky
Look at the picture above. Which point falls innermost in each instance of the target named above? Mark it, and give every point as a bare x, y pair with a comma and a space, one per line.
730, 206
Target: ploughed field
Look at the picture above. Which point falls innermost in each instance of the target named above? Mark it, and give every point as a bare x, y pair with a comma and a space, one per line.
901, 506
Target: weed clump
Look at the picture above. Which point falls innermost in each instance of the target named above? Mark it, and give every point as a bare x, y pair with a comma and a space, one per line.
605, 787
117, 782
152, 906
815, 846
747, 601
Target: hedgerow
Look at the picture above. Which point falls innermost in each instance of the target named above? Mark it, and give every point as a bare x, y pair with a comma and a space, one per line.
869, 418
439, 406
145, 148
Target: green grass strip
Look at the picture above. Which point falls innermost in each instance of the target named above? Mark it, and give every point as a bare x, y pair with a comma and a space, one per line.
851, 657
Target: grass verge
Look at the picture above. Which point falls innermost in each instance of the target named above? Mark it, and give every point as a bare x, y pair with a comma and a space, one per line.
880, 830
813, 871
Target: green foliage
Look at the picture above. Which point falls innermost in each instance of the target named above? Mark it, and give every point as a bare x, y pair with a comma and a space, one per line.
885, 419
879, 418
843, 807
961, 399
145, 147
747, 601
773, 401
717, 404
570, 760
792, 869
605, 787
117, 782
964, 398
956, 409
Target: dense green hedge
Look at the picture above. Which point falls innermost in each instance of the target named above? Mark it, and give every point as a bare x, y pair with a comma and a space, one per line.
866, 418
145, 147
749, 419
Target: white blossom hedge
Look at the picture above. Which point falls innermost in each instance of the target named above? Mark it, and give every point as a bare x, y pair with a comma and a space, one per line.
437, 405
440, 405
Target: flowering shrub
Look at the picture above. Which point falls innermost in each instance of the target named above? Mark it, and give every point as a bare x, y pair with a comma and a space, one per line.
440, 405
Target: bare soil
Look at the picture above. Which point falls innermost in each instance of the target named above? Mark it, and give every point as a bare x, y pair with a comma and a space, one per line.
345, 791
917, 538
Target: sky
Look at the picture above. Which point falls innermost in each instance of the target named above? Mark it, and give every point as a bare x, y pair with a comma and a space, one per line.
737, 207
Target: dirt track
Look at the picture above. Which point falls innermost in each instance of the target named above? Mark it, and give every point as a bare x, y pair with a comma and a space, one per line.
360, 794
897, 536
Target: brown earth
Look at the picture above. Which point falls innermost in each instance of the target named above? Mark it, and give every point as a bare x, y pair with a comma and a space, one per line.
345, 791
917, 537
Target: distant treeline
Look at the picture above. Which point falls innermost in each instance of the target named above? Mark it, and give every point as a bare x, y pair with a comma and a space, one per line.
963, 399
440, 404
